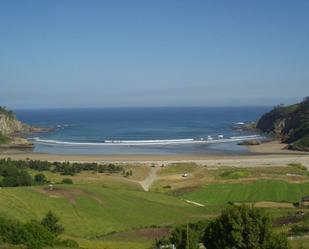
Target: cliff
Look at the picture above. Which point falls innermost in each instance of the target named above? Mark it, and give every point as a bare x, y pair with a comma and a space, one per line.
12, 131
289, 123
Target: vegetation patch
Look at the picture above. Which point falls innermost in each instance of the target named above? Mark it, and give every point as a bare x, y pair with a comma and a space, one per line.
64, 168
234, 174
297, 166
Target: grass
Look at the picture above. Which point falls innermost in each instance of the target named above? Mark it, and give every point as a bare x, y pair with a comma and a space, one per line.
234, 174
299, 243
260, 190
109, 211
95, 211
298, 166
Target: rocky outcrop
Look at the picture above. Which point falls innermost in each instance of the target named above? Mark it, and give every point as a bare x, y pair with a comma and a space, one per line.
10, 126
13, 131
250, 142
289, 123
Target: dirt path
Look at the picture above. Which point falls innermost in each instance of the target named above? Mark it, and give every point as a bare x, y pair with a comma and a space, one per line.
146, 183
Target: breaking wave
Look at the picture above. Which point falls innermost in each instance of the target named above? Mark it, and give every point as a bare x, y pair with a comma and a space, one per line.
207, 140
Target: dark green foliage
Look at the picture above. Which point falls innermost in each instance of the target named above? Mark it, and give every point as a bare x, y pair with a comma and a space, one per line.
64, 168
13, 177
185, 237
277, 241
32, 234
50, 222
67, 181
242, 228
40, 178
38, 236
290, 123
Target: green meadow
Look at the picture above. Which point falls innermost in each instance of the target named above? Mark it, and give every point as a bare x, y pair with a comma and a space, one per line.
260, 190
89, 212
111, 211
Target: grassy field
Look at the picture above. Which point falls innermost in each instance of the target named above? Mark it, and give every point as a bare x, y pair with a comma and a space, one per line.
112, 211
88, 212
260, 190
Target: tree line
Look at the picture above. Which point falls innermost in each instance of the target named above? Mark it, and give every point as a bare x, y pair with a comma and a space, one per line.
14, 173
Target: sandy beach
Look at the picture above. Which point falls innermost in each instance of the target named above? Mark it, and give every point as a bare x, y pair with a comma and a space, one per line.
265, 154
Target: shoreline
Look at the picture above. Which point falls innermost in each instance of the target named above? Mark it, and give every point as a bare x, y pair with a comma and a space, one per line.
265, 154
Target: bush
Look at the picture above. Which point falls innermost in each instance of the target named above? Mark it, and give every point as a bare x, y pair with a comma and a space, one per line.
40, 178
67, 181
12, 177
38, 236
32, 234
50, 221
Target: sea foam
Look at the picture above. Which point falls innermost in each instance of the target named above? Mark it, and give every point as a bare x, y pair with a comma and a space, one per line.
207, 140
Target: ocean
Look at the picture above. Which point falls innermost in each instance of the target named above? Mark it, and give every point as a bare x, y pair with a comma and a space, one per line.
173, 130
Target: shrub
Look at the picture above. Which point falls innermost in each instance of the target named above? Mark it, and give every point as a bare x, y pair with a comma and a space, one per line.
31, 234
50, 221
40, 178
67, 181
38, 236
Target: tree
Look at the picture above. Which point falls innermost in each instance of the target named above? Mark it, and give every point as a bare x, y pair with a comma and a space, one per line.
242, 227
40, 178
185, 238
38, 236
50, 221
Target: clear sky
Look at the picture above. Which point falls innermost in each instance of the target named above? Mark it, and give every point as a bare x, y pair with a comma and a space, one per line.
70, 53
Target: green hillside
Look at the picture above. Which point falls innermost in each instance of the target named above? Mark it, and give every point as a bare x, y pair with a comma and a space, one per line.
88, 212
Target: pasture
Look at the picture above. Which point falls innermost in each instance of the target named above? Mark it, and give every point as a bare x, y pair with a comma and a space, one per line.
112, 211
257, 191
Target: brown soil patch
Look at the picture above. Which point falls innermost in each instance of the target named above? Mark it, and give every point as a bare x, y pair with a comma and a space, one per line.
69, 194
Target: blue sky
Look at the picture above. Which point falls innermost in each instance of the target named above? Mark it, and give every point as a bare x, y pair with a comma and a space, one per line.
73, 53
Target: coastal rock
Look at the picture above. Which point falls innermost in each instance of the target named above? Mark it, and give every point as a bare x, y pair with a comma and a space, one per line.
12, 131
250, 142
290, 124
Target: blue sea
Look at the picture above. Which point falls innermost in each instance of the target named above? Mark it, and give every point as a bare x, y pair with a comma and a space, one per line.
177, 130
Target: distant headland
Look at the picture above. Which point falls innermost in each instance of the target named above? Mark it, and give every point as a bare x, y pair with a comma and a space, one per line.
13, 132
288, 123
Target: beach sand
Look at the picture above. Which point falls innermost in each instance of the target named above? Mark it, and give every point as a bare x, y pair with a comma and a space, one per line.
266, 154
